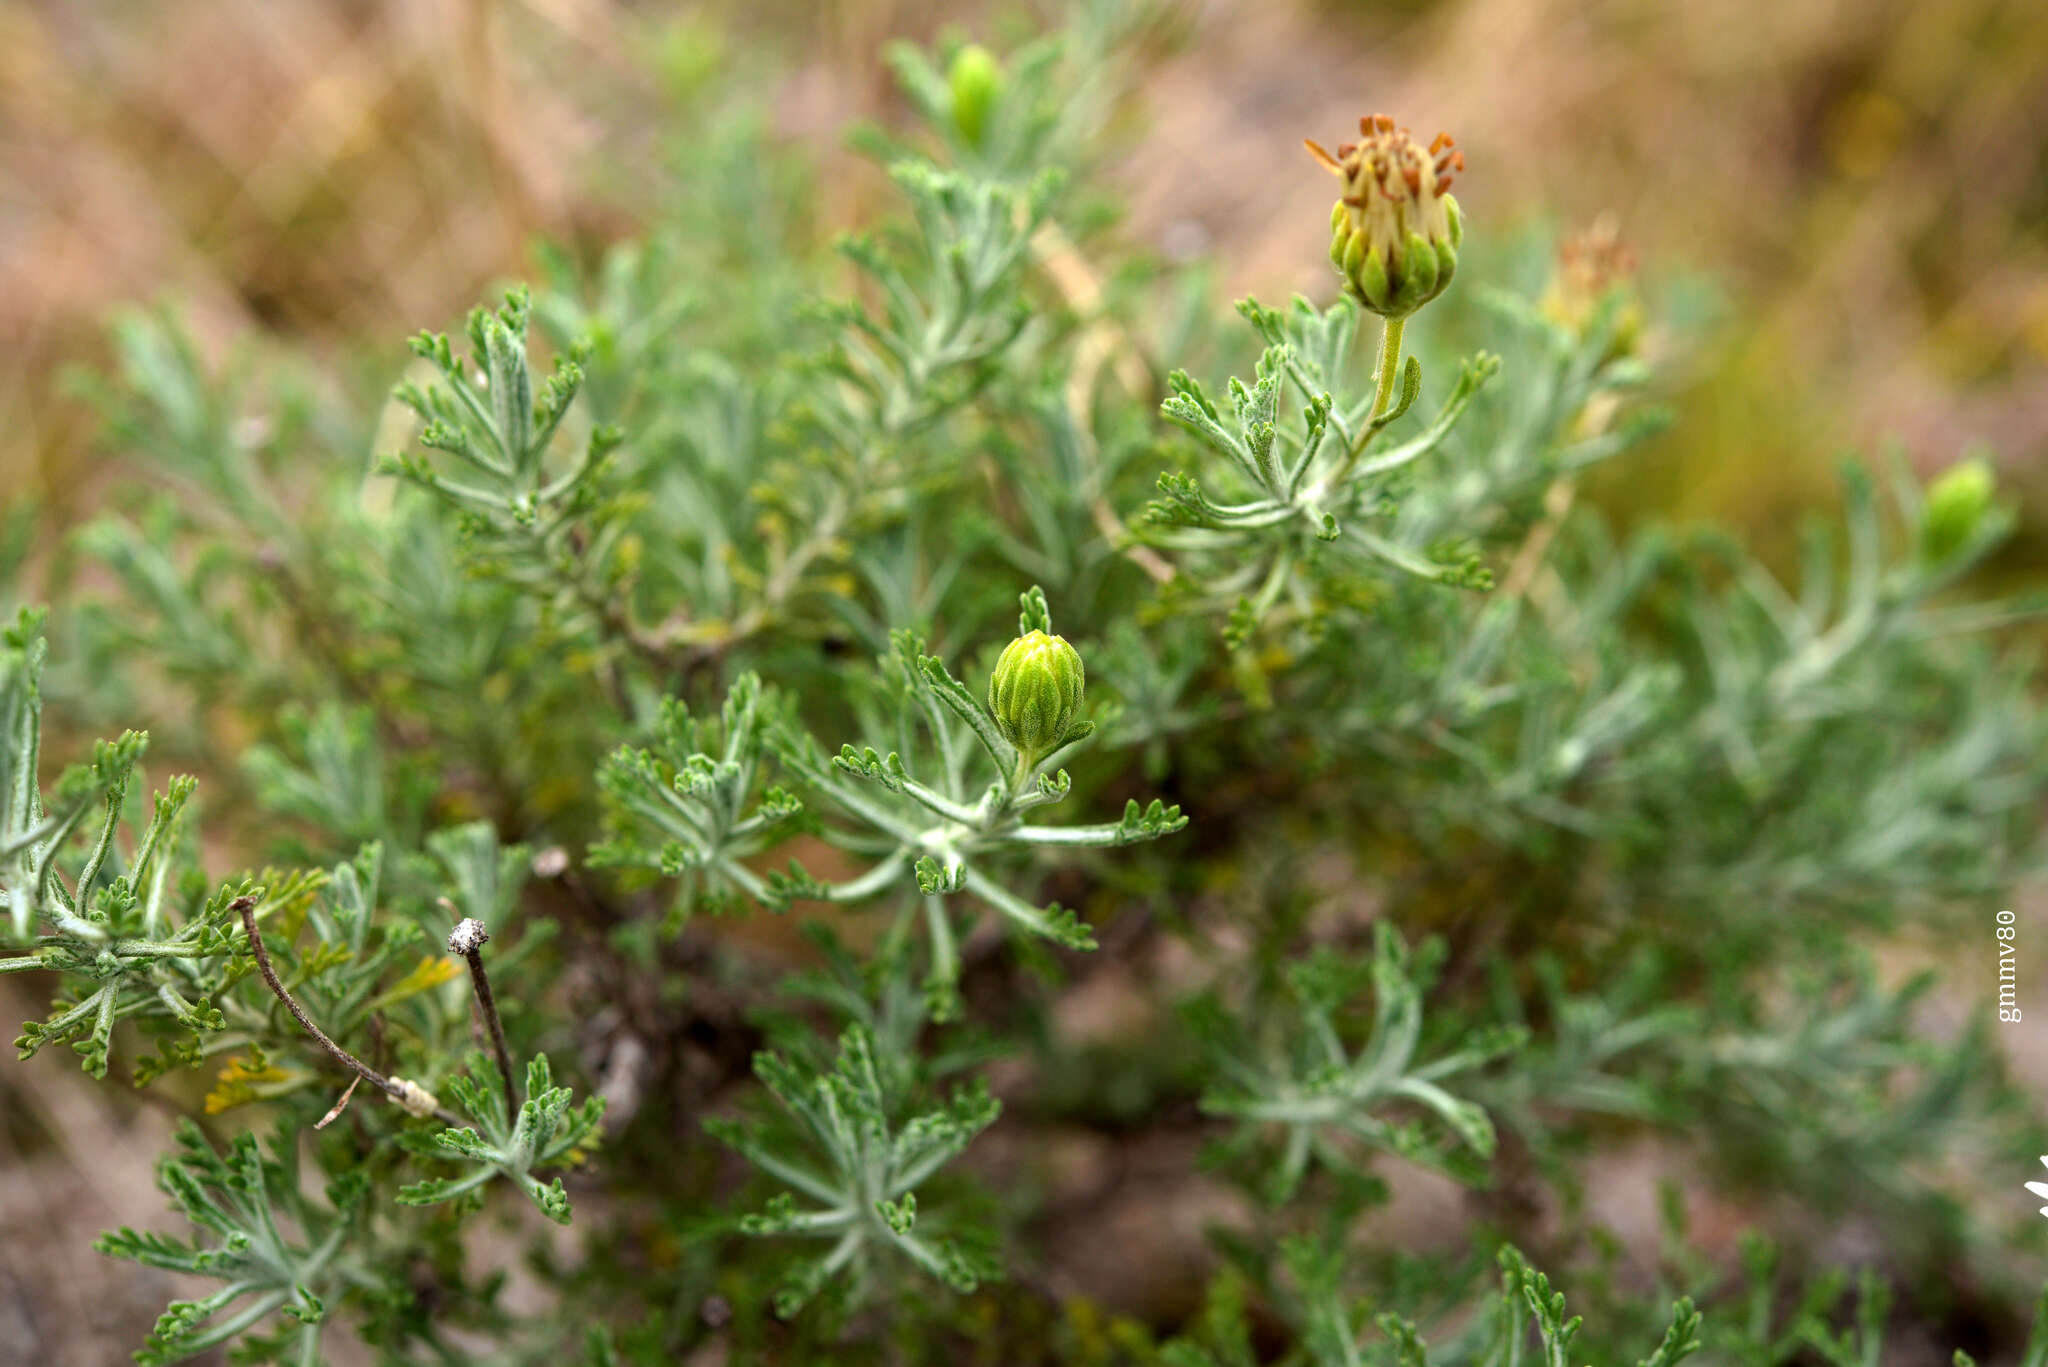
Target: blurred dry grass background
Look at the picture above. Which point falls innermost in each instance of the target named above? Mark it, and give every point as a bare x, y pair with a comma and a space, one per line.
1867, 178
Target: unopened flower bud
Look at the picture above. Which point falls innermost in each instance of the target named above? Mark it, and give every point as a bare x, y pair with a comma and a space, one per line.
1956, 504
977, 79
1395, 231
1035, 690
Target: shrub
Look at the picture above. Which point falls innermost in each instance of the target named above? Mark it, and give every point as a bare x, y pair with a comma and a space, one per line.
1413, 817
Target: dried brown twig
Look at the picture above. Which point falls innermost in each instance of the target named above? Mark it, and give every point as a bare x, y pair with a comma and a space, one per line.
468, 939
414, 1098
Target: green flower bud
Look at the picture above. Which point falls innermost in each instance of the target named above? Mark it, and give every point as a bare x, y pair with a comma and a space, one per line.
1035, 691
1956, 504
1395, 232
977, 79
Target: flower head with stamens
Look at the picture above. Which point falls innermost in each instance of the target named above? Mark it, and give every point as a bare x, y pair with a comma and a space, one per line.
1594, 267
1395, 231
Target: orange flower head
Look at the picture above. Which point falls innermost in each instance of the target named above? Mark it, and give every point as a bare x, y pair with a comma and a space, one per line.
1395, 230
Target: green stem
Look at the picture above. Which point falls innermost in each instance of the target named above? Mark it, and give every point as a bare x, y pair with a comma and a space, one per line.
1390, 365
1027, 763
1383, 393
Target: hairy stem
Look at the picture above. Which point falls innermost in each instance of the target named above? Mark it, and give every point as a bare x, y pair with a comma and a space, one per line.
1389, 367
1020, 779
